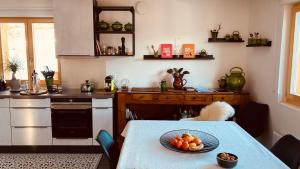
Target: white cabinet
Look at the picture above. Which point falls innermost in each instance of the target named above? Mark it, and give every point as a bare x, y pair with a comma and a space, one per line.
31, 136
30, 117
30, 121
5, 130
102, 117
73, 22
102, 120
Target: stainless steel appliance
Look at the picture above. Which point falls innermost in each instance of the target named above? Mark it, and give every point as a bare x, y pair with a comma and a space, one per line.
71, 118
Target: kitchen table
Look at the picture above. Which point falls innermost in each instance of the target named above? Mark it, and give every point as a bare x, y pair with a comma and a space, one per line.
142, 148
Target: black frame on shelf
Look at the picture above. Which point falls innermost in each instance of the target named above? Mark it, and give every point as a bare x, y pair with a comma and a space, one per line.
197, 57
225, 40
97, 11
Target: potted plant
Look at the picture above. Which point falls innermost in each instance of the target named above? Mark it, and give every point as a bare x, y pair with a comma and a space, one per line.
48, 75
178, 74
215, 32
14, 66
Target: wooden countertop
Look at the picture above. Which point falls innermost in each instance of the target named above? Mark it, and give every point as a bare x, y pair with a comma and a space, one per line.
70, 93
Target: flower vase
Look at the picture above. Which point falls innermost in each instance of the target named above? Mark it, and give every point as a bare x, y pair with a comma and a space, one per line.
14, 83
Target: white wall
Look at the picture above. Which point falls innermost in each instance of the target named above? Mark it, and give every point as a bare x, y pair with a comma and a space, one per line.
188, 20
266, 66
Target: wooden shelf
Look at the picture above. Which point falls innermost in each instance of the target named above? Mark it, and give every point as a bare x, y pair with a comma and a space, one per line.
225, 40
116, 55
97, 32
197, 57
269, 44
113, 32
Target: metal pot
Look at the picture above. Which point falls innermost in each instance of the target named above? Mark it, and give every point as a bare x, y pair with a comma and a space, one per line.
236, 80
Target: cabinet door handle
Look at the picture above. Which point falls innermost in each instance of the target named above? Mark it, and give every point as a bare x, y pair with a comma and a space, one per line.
21, 127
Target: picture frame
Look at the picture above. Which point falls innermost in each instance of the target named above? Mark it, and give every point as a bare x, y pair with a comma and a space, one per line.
166, 51
188, 50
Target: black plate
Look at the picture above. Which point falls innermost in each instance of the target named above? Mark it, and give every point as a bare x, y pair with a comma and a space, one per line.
210, 142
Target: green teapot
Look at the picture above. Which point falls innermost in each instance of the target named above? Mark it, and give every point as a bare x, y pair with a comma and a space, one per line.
117, 26
128, 27
236, 80
102, 25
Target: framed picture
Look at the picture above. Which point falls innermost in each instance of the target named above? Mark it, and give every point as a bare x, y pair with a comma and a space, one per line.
188, 50
166, 51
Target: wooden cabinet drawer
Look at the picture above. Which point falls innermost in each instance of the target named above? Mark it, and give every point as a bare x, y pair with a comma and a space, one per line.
199, 98
102, 102
31, 136
30, 102
231, 99
30, 117
142, 97
170, 97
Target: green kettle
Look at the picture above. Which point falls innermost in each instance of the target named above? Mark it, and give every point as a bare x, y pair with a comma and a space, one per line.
236, 79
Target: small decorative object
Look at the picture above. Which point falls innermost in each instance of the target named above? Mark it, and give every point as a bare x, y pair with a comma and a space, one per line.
203, 53
236, 35
166, 51
48, 75
251, 39
87, 86
222, 82
178, 74
257, 39
236, 80
14, 66
117, 26
188, 50
123, 52
124, 84
155, 52
227, 37
35, 82
3, 84
102, 25
215, 32
163, 86
128, 27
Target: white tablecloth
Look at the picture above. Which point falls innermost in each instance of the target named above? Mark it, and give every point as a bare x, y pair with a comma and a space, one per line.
142, 149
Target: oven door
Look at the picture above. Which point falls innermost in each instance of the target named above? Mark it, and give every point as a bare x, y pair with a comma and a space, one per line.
72, 123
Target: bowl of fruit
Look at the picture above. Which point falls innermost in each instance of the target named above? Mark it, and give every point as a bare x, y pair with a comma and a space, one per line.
189, 141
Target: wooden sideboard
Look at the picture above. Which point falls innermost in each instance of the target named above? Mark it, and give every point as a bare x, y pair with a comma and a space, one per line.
153, 96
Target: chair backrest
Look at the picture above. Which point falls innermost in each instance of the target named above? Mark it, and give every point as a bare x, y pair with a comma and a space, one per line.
287, 149
253, 118
106, 141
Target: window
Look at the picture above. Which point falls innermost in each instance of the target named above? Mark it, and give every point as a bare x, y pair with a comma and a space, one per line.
293, 83
30, 42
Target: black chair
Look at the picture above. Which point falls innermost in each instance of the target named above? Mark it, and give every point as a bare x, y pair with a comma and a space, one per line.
254, 118
287, 149
109, 148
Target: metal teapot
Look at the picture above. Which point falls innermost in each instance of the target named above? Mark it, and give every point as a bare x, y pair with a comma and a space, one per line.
236, 79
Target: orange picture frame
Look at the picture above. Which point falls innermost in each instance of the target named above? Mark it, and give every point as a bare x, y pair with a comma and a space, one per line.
188, 50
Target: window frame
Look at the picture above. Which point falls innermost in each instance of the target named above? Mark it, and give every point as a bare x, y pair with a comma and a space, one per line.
28, 21
289, 97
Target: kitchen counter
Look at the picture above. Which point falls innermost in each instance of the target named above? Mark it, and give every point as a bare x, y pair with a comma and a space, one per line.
73, 93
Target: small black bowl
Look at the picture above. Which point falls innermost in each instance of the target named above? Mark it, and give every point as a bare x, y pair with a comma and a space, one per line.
227, 163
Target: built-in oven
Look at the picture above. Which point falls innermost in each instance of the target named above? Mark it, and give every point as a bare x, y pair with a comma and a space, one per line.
71, 118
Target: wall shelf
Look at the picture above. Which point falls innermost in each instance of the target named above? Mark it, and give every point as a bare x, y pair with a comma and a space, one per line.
269, 44
97, 33
225, 40
197, 57
113, 32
